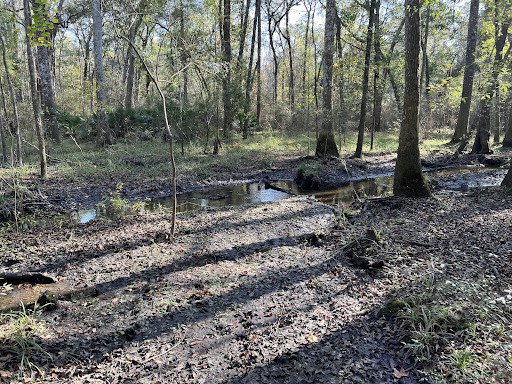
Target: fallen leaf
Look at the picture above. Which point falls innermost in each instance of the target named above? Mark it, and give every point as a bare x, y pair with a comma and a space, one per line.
399, 374
312, 339
5, 374
196, 342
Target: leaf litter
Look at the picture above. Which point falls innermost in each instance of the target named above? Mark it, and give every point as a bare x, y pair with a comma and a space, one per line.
242, 295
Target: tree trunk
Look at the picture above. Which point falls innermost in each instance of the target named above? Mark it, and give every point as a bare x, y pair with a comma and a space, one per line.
274, 56
184, 53
305, 55
47, 91
507, 140
362, 117
249, 79
497, 114
19, 155
33, 89
258, 68
467, 86
425, 75
291, 84
2, 127
481, 143
507, 181
326, 145
341, 80
130, 76
409, 180
226, 60
103, 133
377, 84
243, 34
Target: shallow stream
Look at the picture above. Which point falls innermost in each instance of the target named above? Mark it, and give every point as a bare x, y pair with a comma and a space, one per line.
452, 179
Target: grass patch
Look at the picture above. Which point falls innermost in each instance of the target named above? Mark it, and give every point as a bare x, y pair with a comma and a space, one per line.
20, 336
459, 331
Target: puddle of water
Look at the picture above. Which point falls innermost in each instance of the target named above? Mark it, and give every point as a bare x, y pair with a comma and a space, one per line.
27, 294
456, 179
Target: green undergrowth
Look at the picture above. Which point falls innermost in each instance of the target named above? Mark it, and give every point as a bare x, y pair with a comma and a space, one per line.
149, 159
458, 330
21, 333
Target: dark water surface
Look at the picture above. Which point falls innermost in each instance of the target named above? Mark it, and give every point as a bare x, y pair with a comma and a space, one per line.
455, 179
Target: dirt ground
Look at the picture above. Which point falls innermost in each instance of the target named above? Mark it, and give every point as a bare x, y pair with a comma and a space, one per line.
269, 293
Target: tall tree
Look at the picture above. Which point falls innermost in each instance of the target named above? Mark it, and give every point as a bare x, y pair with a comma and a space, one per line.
425, 73
226, 64
258, 66
2, 127
250, 76
377, 80
19, 155
33, 90
469, 73
483, 121
50, 123
326, 145
385, 61
366, 74
104, 136
136, 21
409, 180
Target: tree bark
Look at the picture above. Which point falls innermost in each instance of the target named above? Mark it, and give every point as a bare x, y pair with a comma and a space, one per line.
291, 83
409, 180
377, 84
258, 68
507, 181
33, 88
366, 73
226, 62
481, 143
341, 80
425, 75
507, 140
243, 34
130, 76
47, 91
104, 136
305, 55
326, 145
249, 79
19, 155
469, 74
2, 127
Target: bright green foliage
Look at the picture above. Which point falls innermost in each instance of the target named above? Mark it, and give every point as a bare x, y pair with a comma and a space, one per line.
43, 22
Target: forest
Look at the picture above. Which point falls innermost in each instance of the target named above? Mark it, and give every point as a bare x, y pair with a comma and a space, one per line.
278, 191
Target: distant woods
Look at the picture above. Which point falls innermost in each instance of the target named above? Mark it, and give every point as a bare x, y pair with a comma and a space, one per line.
232, 68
